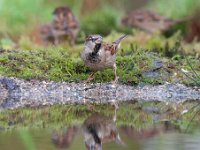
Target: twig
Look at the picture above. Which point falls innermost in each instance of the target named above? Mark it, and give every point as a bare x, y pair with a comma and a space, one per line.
198, 76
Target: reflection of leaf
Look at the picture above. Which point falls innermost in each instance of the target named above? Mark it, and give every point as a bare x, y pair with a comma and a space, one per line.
27, 140
193, 117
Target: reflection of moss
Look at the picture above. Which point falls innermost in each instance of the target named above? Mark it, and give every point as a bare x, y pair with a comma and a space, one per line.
137, 114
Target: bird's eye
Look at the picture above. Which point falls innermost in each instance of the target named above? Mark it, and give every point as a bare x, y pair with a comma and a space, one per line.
94, 39
88, 39
91, 39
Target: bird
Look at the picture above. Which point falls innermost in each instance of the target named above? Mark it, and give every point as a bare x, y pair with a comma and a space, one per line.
149, 21
63, 26
98, 55
66, 138
98, 129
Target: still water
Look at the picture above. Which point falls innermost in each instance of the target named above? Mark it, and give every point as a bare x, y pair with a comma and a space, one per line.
99, 132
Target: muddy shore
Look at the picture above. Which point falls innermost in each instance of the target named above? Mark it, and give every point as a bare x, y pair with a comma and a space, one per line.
15, 93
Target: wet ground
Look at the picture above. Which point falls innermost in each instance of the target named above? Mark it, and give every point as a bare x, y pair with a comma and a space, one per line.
147, 118
17, 93
101, 132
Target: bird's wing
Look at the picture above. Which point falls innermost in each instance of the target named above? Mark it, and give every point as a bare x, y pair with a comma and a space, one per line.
112, 48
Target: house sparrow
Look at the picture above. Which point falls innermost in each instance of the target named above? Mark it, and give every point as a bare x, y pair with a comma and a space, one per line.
64, 139
99, 129
64, 25
98, 55
148, 21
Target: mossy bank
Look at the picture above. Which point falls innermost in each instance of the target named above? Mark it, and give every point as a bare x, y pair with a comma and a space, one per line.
149, 63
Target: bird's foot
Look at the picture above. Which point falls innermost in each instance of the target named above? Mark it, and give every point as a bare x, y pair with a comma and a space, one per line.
116, 80
115, 104
90, 107
89, 79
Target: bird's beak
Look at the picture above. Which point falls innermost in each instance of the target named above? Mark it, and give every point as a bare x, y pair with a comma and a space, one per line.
98, 41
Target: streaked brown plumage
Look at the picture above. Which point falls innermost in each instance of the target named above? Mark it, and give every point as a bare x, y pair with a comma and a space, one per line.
98, 55
64, 26
99, 129
148, 21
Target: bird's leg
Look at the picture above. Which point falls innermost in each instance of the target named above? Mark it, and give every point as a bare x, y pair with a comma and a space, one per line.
118, 139
116, 107
91, 77
115, 71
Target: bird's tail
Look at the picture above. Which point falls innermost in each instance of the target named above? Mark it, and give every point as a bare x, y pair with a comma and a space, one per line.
120, 39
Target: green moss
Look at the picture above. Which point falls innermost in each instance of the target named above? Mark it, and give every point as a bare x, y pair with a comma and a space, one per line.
65, 64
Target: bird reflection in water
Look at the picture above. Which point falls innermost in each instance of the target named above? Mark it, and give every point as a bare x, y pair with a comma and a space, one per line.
64, 139
99, 129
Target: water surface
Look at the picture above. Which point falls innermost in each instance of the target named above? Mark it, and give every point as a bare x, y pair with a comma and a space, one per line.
101, 131
42, 140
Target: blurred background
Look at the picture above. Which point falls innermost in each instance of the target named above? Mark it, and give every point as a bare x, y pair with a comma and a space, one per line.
22, 19
163, 46
34, 33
